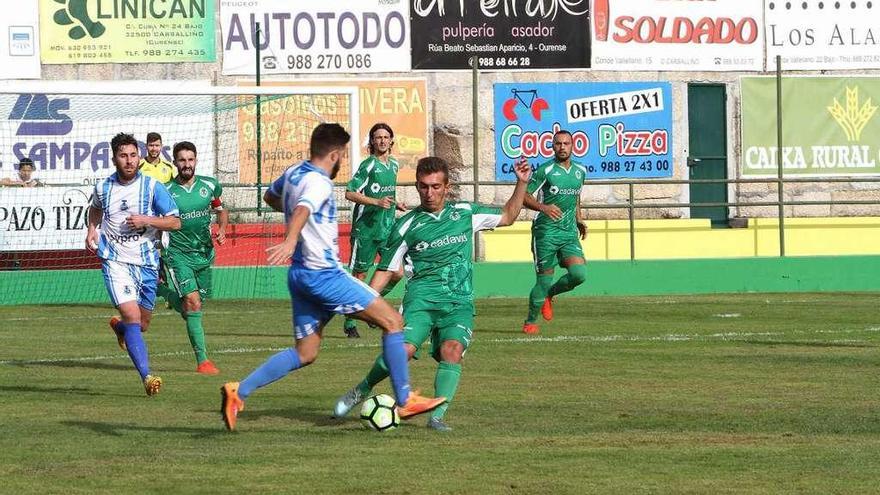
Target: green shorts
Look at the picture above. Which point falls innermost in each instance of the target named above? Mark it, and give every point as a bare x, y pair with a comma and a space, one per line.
440, 322
363, 252
549, 251
188, 272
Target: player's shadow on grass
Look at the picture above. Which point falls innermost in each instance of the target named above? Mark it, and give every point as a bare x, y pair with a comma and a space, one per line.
56, 390
95, 365
318, 418
120, 429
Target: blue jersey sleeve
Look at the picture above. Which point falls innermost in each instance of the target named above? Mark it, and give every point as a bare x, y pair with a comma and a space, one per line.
163, 204
277, 187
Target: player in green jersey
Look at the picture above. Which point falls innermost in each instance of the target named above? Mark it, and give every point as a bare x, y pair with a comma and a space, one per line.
556, 229
436, 239
190, 253
372, 189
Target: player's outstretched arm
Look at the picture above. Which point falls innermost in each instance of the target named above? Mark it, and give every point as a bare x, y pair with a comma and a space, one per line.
514, 205
171, 222
282, 252
381, 278
362, 199
273, 201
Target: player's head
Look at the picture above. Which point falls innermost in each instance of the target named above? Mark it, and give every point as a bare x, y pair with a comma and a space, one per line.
125, 155
25, 169
381, 139
185, 160
154, 145
562, 145
329, 144
432, 182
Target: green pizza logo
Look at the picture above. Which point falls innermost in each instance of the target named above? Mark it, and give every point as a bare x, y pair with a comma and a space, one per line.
554, 189
77, 12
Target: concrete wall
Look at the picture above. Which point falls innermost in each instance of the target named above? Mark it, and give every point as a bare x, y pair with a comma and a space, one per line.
452, 134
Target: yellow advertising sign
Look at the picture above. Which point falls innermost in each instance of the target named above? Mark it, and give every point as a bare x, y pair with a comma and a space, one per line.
400, 103
126, 31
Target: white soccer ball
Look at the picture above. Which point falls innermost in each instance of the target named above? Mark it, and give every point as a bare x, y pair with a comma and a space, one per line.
379, 413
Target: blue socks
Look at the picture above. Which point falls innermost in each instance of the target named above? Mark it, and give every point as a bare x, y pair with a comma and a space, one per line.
137, 348
395, 359
275, 368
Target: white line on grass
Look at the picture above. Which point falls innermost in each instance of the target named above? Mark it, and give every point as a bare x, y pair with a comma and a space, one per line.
671, 337
106, 317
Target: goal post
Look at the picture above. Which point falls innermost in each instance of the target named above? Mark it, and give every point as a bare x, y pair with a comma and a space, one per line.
64, 129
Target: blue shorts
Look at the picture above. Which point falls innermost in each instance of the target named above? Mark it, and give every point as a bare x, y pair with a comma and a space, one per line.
126, 283
317, 295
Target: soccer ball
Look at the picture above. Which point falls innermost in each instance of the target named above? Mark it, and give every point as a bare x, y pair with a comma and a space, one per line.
379, 413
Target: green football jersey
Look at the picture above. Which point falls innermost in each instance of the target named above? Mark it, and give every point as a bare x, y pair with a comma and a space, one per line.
557, 186
438, 247
194, 203
374, 179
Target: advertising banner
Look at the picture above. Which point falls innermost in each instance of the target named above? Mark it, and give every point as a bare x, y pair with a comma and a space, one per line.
116, 31
823, 35
68, 136
656, 35
19, 45
44, 219
509, 35
831, 126
619, 129
308, 37
400, 103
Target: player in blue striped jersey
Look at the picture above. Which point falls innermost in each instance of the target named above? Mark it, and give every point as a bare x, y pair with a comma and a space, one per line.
132, 210
319, 286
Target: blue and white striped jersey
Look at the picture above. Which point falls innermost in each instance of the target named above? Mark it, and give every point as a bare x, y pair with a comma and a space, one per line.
142, 196
309, 186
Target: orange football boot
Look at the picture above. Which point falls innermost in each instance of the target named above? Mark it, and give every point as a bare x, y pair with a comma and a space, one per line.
531, 328
230, 404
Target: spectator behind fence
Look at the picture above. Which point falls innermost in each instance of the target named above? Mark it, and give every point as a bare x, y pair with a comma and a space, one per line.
24, 177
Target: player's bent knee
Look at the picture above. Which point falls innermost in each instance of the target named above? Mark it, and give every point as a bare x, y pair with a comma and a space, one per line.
451, 351
307, 356
410, 350
130, 312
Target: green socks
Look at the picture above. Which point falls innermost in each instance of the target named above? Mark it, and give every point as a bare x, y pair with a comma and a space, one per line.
174, 301
576, 275
349, 324
445, 384
196, 335
537, 296
377, 373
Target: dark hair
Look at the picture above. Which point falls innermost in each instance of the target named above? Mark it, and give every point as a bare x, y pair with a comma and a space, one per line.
184, 145
26, 162
326, 138
376, 127
122, 139
153, 136
432, 164
561, 131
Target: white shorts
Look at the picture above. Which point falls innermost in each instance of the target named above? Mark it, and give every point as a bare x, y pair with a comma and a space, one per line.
126, 282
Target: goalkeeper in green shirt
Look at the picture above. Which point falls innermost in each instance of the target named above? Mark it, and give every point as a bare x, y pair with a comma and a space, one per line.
557, 229
190, 253
436, 239
372, 189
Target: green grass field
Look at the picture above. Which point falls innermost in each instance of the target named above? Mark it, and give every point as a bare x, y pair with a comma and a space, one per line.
712, 394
